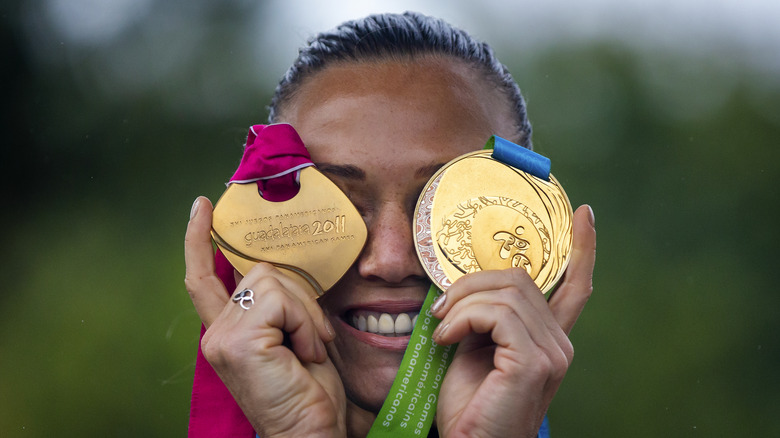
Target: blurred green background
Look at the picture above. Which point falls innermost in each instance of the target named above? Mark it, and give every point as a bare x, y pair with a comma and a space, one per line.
664, 116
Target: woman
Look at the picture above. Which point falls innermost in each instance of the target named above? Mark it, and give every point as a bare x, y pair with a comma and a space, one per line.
381, 103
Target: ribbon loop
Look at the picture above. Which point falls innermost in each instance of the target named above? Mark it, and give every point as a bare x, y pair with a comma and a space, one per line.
520, 157
272, 156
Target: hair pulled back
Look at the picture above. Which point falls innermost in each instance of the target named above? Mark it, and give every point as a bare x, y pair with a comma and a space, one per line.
399, 36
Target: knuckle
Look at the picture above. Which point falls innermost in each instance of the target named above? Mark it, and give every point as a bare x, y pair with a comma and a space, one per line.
560, 364
263, 269
229, 350
193, 288
270, 291
511, 298
263, 279
190, 284
547, 366
273, 299
588, 290
223, 350
269, 283
270, 301
508, 294
557, 374
503, 312
584, 292
209, 347
195, 285
540, 364
569, 354
518, 275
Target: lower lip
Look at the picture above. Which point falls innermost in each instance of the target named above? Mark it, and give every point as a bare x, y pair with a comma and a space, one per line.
397, 343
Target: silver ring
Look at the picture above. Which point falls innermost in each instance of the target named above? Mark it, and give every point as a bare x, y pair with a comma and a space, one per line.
245, 298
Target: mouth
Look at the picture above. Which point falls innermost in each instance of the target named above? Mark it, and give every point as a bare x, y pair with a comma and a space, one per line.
382, 323
389, 320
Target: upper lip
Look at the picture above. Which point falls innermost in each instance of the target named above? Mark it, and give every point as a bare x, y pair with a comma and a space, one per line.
388, 306
407, 297
378, 296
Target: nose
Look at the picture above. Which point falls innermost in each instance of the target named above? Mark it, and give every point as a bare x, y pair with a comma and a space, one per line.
389, 254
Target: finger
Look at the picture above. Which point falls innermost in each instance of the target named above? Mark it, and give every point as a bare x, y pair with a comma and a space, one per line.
476, 318
309, 302
576, 288
205, 288
527, 303
520, 333
257, 331
284, 313
512, 308
486, 281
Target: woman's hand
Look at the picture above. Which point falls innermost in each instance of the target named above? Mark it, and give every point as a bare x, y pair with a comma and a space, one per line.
514, 350
272, 356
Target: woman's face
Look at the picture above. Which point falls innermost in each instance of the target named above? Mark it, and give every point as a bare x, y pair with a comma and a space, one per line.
379, 130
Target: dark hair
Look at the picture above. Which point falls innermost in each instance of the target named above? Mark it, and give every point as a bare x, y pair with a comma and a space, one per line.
398, 36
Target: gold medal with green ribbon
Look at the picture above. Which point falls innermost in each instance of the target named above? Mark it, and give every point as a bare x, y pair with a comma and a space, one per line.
497, 208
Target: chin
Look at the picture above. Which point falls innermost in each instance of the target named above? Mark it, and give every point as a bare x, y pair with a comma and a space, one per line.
367, 381
372, 393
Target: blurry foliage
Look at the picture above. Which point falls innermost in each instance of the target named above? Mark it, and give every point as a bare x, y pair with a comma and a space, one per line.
677, 155
679, 337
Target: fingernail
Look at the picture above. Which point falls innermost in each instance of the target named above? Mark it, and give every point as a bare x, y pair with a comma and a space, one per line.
329, 328
591, 217
440, 329
194, 209
438, 303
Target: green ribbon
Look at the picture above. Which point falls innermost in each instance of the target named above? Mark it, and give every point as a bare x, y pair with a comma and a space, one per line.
410, 406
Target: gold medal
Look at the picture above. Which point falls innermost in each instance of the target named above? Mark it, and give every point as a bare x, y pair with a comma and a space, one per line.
313, 238
477, 213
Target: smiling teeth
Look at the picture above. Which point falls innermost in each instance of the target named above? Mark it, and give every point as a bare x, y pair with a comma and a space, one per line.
388, 324
403, 324
373, 324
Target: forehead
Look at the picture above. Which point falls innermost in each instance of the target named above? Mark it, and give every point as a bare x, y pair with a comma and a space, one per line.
435, 106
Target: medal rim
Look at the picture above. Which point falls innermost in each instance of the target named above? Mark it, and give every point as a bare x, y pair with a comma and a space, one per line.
433, 268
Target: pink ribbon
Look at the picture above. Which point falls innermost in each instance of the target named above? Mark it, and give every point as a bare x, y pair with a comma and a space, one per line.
273, 157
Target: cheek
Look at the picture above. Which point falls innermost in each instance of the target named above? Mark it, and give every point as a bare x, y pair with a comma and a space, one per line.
332, 302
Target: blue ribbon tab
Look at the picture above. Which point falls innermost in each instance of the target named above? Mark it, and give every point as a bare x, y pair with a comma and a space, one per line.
519, 157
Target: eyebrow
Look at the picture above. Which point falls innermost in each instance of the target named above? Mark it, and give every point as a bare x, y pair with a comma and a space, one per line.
349, 171
427, 171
